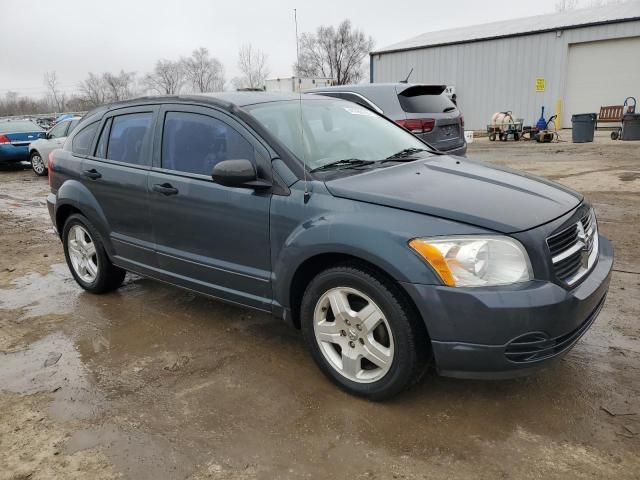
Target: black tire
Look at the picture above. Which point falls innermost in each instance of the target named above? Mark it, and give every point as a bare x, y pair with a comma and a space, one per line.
412, 348
39, 168
614, 135
108, 277
492, 137
516, 136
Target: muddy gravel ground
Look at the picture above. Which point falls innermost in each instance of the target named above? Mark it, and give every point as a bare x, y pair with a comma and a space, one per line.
153, 382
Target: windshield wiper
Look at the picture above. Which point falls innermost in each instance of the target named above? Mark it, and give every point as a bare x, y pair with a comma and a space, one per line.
345, 162
448, 109
406, 153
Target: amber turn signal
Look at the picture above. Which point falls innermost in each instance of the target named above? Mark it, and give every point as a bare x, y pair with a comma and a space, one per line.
434, 258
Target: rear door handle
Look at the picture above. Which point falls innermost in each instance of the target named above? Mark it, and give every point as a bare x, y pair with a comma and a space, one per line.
93, 174
165, 189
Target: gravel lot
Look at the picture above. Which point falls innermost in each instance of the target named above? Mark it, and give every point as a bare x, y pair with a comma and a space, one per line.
153, 382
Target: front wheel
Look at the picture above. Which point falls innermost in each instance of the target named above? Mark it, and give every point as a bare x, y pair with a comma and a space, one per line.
362, 333
87, 258
37, 164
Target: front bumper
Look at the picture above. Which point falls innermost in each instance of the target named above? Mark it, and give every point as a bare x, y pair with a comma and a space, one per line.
502, 332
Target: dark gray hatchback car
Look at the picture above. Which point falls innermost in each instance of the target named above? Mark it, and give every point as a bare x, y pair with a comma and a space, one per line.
385, 254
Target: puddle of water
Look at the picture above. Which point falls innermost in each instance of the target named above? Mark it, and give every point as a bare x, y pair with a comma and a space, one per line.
36, 294
135, 454
53, 365
22, 207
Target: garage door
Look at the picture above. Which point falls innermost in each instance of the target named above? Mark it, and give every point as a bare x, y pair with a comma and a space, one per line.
601, 73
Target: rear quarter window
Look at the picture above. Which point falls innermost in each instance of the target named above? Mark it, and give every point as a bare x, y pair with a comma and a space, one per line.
425, 100
83, 140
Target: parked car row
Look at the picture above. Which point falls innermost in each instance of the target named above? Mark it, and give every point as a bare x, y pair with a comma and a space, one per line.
24, 140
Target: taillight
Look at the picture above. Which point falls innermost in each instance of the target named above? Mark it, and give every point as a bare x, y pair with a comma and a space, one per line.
4, 140
417, 125
462, 120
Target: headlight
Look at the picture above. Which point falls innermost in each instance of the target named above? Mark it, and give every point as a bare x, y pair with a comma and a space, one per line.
475, 261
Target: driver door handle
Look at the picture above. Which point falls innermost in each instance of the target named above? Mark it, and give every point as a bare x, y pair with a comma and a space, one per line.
93, 174
165, 189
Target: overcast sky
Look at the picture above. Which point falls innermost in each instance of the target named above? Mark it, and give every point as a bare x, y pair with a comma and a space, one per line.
74, 37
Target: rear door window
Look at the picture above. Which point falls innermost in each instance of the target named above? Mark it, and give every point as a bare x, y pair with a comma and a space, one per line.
425, 99
128, 135
83, 139
195, 143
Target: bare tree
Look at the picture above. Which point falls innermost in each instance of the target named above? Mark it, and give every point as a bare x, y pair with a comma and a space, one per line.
93, 90
53, 87
252, 62
119, 86
334, 53
167, 77
203, 72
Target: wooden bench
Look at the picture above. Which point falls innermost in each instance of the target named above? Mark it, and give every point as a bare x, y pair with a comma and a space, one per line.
610, 114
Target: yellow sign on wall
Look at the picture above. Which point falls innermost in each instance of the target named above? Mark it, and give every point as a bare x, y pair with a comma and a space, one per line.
540, 84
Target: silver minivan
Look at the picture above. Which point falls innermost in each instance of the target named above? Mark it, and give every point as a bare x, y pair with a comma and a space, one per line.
424, 110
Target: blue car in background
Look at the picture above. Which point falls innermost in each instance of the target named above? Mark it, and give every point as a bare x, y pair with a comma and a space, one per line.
15, 137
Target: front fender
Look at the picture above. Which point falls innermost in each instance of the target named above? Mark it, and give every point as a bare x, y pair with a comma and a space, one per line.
374, 233
73, 193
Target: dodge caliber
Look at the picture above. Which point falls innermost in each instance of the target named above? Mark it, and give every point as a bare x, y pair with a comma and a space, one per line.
387, 255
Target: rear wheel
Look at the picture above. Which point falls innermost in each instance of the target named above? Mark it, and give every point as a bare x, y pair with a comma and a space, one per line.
361, 332
87, 258
37, 164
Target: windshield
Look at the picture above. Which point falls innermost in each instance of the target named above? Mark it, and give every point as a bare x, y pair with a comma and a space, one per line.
19, 126
333, 130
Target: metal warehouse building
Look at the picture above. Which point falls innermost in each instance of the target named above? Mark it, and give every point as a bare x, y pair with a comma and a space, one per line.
574, 61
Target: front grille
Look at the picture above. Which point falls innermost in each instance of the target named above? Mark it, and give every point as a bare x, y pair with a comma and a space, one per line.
572, 249
537, 346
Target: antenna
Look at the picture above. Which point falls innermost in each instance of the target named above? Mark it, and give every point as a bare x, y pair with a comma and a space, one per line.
304, 156
406, 80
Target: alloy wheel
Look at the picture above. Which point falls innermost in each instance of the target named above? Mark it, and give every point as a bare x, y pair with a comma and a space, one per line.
37, 164
82, 253
353, 335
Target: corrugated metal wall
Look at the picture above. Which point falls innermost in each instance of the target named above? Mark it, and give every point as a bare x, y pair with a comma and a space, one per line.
499, 75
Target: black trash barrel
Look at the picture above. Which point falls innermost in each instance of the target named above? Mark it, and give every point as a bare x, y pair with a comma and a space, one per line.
584, 126
631, 126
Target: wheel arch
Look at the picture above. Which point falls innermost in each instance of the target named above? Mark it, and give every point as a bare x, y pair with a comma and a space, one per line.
312, 266
73, 197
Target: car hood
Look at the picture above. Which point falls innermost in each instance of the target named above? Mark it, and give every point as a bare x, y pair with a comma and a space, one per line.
476, 193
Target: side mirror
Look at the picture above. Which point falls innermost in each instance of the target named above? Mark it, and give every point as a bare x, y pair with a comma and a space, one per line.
238, 173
